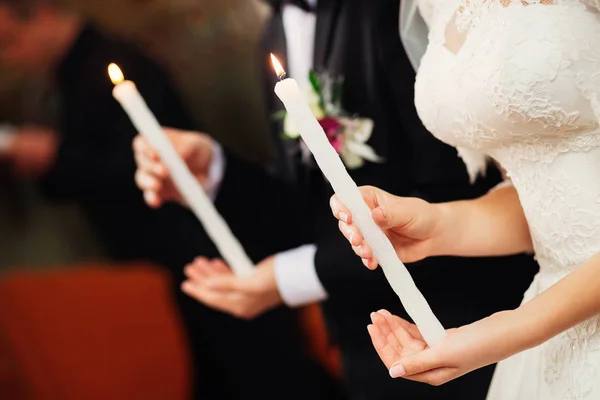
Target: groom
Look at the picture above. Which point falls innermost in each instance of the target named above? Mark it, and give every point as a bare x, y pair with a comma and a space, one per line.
360, 42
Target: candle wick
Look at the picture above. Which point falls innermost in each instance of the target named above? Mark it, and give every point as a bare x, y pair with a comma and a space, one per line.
282, 76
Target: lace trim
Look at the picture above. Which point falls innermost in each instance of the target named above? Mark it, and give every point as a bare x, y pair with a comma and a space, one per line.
469, 11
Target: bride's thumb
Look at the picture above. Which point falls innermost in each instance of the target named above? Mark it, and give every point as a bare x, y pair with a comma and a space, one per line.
388, 216
414, 365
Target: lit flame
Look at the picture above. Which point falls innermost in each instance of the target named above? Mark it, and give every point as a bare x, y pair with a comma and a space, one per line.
277, 65
116, 76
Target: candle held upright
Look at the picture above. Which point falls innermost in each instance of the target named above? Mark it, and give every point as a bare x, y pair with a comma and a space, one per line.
334, 170
126, 93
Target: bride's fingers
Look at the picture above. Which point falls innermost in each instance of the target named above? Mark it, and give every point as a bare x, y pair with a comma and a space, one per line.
386, 331
388, 353
363, 251
351, 233
406, 343
396, 322
339, 210
426, 366
435, 377
370, 263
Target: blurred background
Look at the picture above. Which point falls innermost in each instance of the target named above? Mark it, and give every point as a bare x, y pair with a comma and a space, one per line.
74, 322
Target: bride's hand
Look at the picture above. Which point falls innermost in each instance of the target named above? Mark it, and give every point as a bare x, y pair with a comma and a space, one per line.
404, 352
414, 226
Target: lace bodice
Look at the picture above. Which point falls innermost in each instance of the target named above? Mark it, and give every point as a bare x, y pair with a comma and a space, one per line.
519, 82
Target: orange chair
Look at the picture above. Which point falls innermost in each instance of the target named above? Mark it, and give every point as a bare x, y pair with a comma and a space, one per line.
105, 332
96, 332
319, 344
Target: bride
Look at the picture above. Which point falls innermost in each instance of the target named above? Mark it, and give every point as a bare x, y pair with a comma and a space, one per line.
518, 82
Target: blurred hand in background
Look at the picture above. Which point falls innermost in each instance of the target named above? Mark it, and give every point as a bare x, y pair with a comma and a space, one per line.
30, 151
152, 177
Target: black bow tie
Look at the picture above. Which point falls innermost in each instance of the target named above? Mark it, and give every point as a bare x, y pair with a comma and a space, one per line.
302, 4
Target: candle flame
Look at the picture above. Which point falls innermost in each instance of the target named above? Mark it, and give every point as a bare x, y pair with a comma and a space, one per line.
115, 74
277, 65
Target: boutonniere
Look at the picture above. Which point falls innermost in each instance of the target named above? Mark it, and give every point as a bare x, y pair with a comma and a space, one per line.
347, 134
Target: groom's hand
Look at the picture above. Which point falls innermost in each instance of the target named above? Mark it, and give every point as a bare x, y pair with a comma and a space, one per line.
152, 177
215, 285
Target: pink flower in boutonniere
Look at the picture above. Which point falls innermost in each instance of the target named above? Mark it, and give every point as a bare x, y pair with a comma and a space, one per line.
347, 135
333, 130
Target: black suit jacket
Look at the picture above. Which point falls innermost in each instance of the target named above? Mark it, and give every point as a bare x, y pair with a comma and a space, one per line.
360, 40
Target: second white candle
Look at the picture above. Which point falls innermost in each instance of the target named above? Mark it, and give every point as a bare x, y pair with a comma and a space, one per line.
333, 168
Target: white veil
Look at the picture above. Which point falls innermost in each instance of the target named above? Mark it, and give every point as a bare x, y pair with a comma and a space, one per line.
413, 31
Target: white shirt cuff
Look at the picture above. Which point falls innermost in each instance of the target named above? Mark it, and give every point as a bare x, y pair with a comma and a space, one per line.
216, 171
7, 137
296, 276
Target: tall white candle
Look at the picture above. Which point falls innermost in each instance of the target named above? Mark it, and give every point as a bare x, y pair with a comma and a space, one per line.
126, 93
333, 168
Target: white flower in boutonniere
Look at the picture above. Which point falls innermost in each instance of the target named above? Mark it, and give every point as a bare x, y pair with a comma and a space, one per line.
347, 135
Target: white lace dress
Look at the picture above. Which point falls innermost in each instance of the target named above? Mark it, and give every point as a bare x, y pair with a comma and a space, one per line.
520, 83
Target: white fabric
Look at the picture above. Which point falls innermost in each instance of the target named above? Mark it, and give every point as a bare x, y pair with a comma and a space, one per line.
414, 21
7, 137
520, 83
299, 27
295, 272
297, 278
216, 171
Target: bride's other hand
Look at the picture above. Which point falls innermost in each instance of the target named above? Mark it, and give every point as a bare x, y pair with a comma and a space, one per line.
414, 226
491, 225
406, 355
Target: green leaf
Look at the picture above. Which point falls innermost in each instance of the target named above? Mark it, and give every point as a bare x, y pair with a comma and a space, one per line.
314, 81
279, 115
285, 136
316, 85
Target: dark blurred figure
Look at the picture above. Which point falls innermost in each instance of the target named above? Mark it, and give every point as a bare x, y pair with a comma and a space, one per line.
94, 165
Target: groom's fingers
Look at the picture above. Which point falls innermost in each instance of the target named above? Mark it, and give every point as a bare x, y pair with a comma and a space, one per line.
208, 297
193, 272
220, 266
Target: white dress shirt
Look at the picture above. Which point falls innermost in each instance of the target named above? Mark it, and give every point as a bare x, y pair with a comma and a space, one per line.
295, 271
